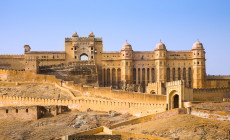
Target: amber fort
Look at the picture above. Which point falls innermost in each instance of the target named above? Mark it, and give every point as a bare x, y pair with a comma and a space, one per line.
147, 84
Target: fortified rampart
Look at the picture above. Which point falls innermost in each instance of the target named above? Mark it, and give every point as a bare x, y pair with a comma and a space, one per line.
218, 77
210, 94
118, 94
16, 62
138, 109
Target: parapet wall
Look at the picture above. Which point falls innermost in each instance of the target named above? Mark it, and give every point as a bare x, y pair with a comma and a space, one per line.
138, 109
218, 77
175, 83
156, 88
210, 94
107, 92
217, 83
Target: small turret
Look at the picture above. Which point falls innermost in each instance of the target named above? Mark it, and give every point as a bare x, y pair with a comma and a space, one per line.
26, 48
91, 34
160, 50
160, 46
127, 51
198, 50
75, 34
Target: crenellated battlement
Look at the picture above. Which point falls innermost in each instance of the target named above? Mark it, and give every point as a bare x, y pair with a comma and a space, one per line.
83, 104
218, 77
3, 71
208, 90
175, 83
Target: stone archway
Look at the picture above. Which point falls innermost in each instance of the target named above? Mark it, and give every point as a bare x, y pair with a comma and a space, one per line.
84, 57
175, 101
152, 92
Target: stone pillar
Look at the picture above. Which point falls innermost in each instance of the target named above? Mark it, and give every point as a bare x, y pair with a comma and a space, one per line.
137, 76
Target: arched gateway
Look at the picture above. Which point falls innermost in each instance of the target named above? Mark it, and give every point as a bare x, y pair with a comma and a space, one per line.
178, 94
84, 57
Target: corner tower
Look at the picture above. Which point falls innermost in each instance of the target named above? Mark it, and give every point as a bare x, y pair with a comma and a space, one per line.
126, 64
160, 62
199, 68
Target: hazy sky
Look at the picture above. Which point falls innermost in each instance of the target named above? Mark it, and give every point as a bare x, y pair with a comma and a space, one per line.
44, 24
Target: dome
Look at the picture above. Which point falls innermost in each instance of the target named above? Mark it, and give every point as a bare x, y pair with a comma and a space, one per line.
160, 46
28, 46
126, 46
75, 34
197, 45
91, 34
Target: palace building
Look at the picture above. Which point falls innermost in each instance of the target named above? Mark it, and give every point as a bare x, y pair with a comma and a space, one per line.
121, 69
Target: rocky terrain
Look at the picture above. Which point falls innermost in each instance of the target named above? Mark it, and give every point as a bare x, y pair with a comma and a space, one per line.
224, 106
184, 127
34, 90
60, 125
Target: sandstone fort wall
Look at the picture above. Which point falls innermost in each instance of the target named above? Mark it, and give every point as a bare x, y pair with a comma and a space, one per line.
119, 94
217, 83
19, 112
138, 109
210, 94
16, 62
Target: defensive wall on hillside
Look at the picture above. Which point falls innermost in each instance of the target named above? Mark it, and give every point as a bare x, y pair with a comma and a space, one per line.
129, 101
138, 109
210, 94
118, 94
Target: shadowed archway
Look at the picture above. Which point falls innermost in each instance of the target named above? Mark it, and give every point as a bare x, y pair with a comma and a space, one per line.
176, 101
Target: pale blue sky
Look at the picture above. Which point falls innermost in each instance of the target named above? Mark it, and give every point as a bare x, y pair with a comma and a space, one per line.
44, 24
